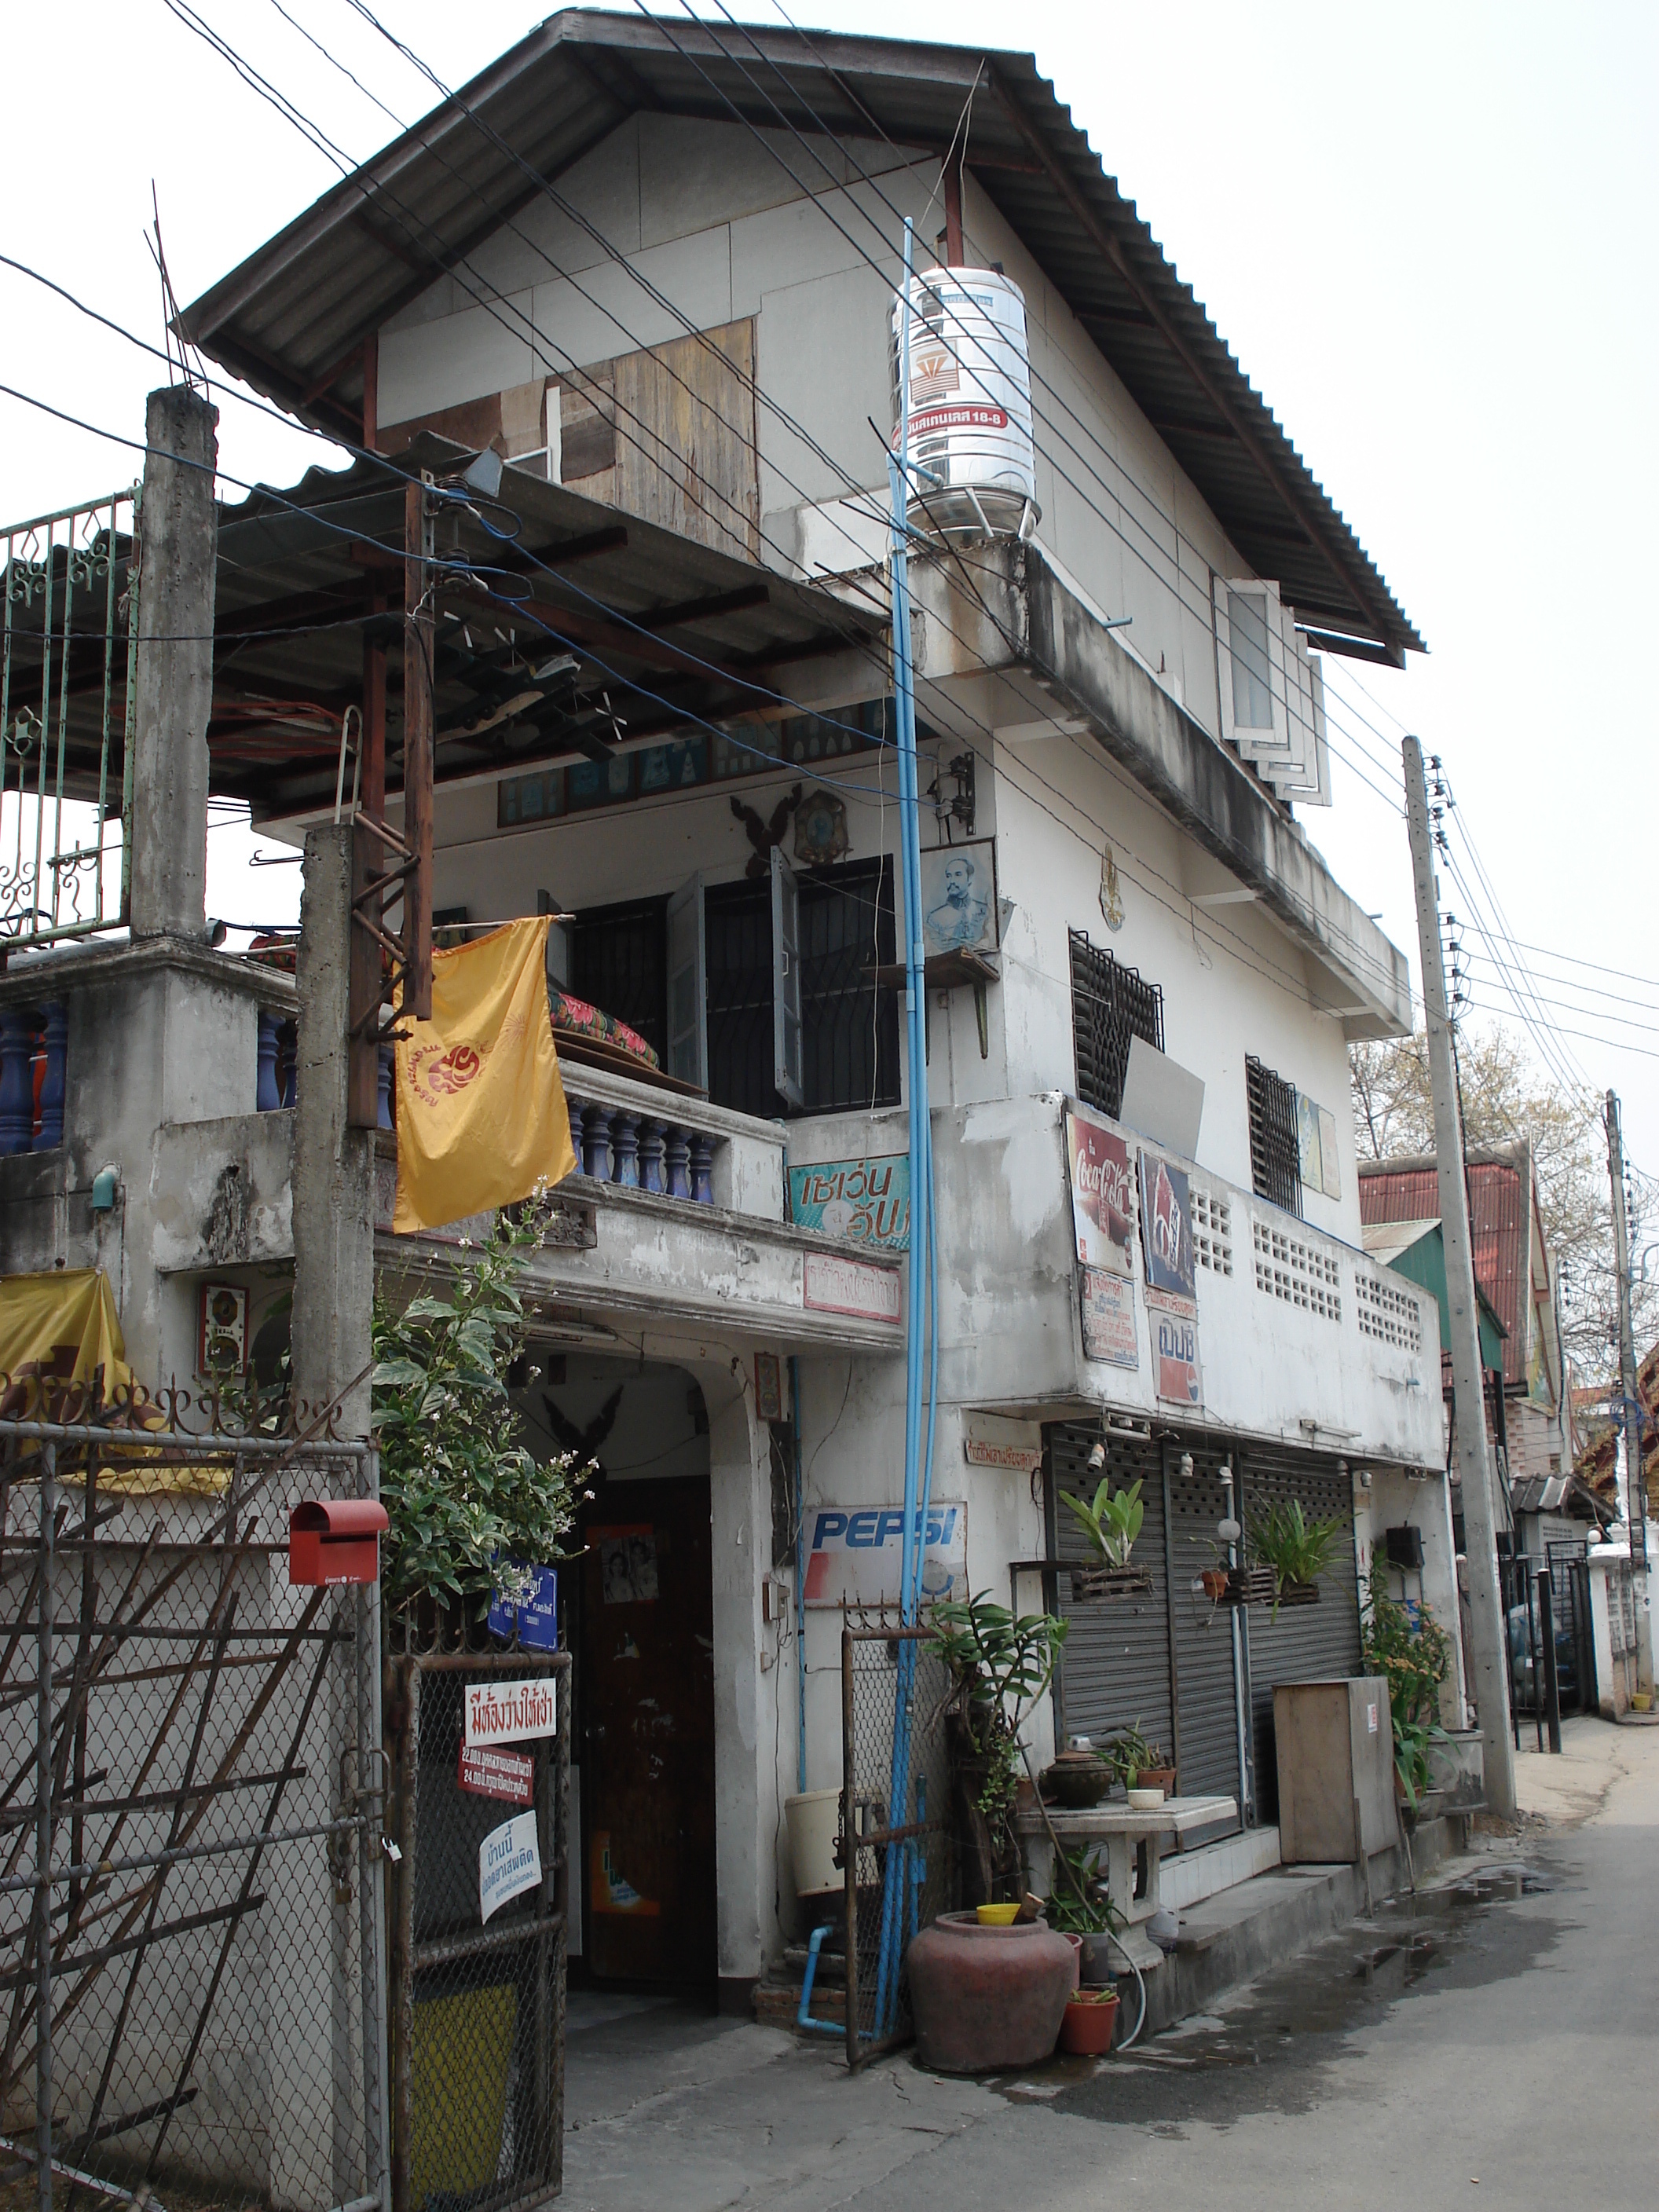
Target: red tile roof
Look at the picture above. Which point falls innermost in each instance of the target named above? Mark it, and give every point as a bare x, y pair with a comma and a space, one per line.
1497, 1210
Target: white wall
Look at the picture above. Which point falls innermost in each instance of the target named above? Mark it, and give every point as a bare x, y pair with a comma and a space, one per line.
713, 226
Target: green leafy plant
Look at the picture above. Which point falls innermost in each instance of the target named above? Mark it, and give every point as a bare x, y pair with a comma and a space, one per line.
1130, 1754
1414, 1658
1112, 1523
1080, 1904
462, 1491
1297, 1549
1000, 1664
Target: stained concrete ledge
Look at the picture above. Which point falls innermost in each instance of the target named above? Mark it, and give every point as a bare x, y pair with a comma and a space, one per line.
1228, 1939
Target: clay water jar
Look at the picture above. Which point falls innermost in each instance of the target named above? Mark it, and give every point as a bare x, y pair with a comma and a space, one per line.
986, 2000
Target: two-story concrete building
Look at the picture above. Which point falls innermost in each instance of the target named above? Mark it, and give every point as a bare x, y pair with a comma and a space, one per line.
652, 266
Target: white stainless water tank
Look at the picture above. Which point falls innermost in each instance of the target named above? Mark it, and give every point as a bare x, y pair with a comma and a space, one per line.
972, 461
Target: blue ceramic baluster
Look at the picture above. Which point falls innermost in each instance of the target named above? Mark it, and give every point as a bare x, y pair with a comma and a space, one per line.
53, 1087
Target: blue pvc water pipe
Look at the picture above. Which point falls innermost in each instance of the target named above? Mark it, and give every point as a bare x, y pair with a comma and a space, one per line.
898, 1887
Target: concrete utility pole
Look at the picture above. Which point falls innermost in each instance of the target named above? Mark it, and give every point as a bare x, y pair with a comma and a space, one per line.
1636, 1497
178, 544
1486, 1623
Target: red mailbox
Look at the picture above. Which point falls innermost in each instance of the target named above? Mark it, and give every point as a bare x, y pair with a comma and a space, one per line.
336, 1540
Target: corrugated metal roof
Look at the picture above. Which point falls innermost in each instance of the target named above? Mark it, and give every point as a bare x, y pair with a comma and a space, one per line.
291, 318
1498, 1220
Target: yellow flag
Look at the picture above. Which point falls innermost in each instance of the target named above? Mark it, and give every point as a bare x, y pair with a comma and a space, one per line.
481, 1114
61, 1331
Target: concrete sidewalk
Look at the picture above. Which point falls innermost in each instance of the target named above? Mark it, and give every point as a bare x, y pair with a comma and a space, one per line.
669, 2110
1570, 1787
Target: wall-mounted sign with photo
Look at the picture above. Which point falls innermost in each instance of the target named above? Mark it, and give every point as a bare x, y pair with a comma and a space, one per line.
1102, 1191
1166, 1223
1175, 1356
959, 898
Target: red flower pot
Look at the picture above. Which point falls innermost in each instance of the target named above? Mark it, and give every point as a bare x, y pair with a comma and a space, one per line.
1088, 2026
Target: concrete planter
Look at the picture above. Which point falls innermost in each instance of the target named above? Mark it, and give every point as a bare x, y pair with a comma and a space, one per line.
1457, 1771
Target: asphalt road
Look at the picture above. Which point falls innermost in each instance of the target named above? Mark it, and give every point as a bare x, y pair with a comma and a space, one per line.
1492, 2041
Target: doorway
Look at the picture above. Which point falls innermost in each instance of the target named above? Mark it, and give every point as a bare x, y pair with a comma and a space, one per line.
638, 1605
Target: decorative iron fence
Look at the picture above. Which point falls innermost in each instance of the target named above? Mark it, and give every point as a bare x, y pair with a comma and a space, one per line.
893, 1841
191, 1910
69, 640
479, 1920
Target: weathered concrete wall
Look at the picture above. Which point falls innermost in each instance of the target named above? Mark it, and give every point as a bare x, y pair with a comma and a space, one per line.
179, 542
334, 1216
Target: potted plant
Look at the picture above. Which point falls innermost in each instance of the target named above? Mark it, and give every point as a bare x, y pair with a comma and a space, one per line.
1090, 2023
1414, 1658
1138, 1764
1081, 1905
1111, 1522
1296, 1549
999, 1666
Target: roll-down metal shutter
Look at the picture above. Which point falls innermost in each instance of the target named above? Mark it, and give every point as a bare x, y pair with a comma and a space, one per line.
1206, 1701
1307, 1643
1115, 1672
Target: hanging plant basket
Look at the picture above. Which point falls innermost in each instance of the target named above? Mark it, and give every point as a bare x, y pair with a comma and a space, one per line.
1094, 1585
1299, 1594
1250, 1586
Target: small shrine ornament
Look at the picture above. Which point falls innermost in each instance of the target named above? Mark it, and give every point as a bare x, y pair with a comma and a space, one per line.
820, 828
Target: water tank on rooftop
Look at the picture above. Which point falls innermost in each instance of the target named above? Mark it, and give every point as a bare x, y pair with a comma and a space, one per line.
973, 464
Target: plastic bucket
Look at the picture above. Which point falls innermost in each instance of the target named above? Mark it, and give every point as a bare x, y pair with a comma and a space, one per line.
814, 1820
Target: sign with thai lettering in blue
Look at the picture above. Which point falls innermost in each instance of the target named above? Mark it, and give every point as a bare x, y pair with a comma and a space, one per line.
856, 1552
866, 1201
526, 1598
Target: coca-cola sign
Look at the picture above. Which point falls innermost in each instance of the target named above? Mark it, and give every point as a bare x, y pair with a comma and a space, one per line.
1102, 1191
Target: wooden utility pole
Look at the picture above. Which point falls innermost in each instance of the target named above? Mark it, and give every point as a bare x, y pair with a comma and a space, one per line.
1486, 1623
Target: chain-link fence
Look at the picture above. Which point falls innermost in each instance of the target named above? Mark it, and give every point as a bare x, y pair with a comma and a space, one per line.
894, 1847
480, 1744
190, 1937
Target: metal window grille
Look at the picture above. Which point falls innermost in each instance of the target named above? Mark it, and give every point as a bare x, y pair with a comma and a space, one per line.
1111, 1006
619, 962
1275, 1143
850, 1024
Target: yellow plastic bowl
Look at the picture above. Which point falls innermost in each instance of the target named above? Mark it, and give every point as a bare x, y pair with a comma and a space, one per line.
1641, 1700
997, 1915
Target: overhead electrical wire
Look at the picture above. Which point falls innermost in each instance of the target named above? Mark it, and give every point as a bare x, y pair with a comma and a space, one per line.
292, 114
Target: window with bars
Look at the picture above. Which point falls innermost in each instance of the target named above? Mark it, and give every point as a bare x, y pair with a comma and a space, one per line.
1111, 1004
1275, 1143
849, 1026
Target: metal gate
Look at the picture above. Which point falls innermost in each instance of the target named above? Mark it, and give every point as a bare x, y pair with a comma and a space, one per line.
1569, 1565
894, 1842
189, 1936
477, 2006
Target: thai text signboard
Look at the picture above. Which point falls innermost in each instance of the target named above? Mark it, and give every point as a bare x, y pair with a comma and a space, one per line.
1109, 1319
866, 1201
511, 1712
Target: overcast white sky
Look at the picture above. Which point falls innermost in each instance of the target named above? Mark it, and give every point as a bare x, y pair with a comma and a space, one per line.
1426, 231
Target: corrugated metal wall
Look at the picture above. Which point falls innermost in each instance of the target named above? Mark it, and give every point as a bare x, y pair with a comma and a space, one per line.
1307, 1643
1116, 1673
1206, 1709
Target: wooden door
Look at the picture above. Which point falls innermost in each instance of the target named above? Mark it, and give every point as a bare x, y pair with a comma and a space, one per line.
648, 1705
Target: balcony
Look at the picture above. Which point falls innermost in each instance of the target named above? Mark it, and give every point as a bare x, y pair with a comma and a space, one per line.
676, 1214
1302, 1339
